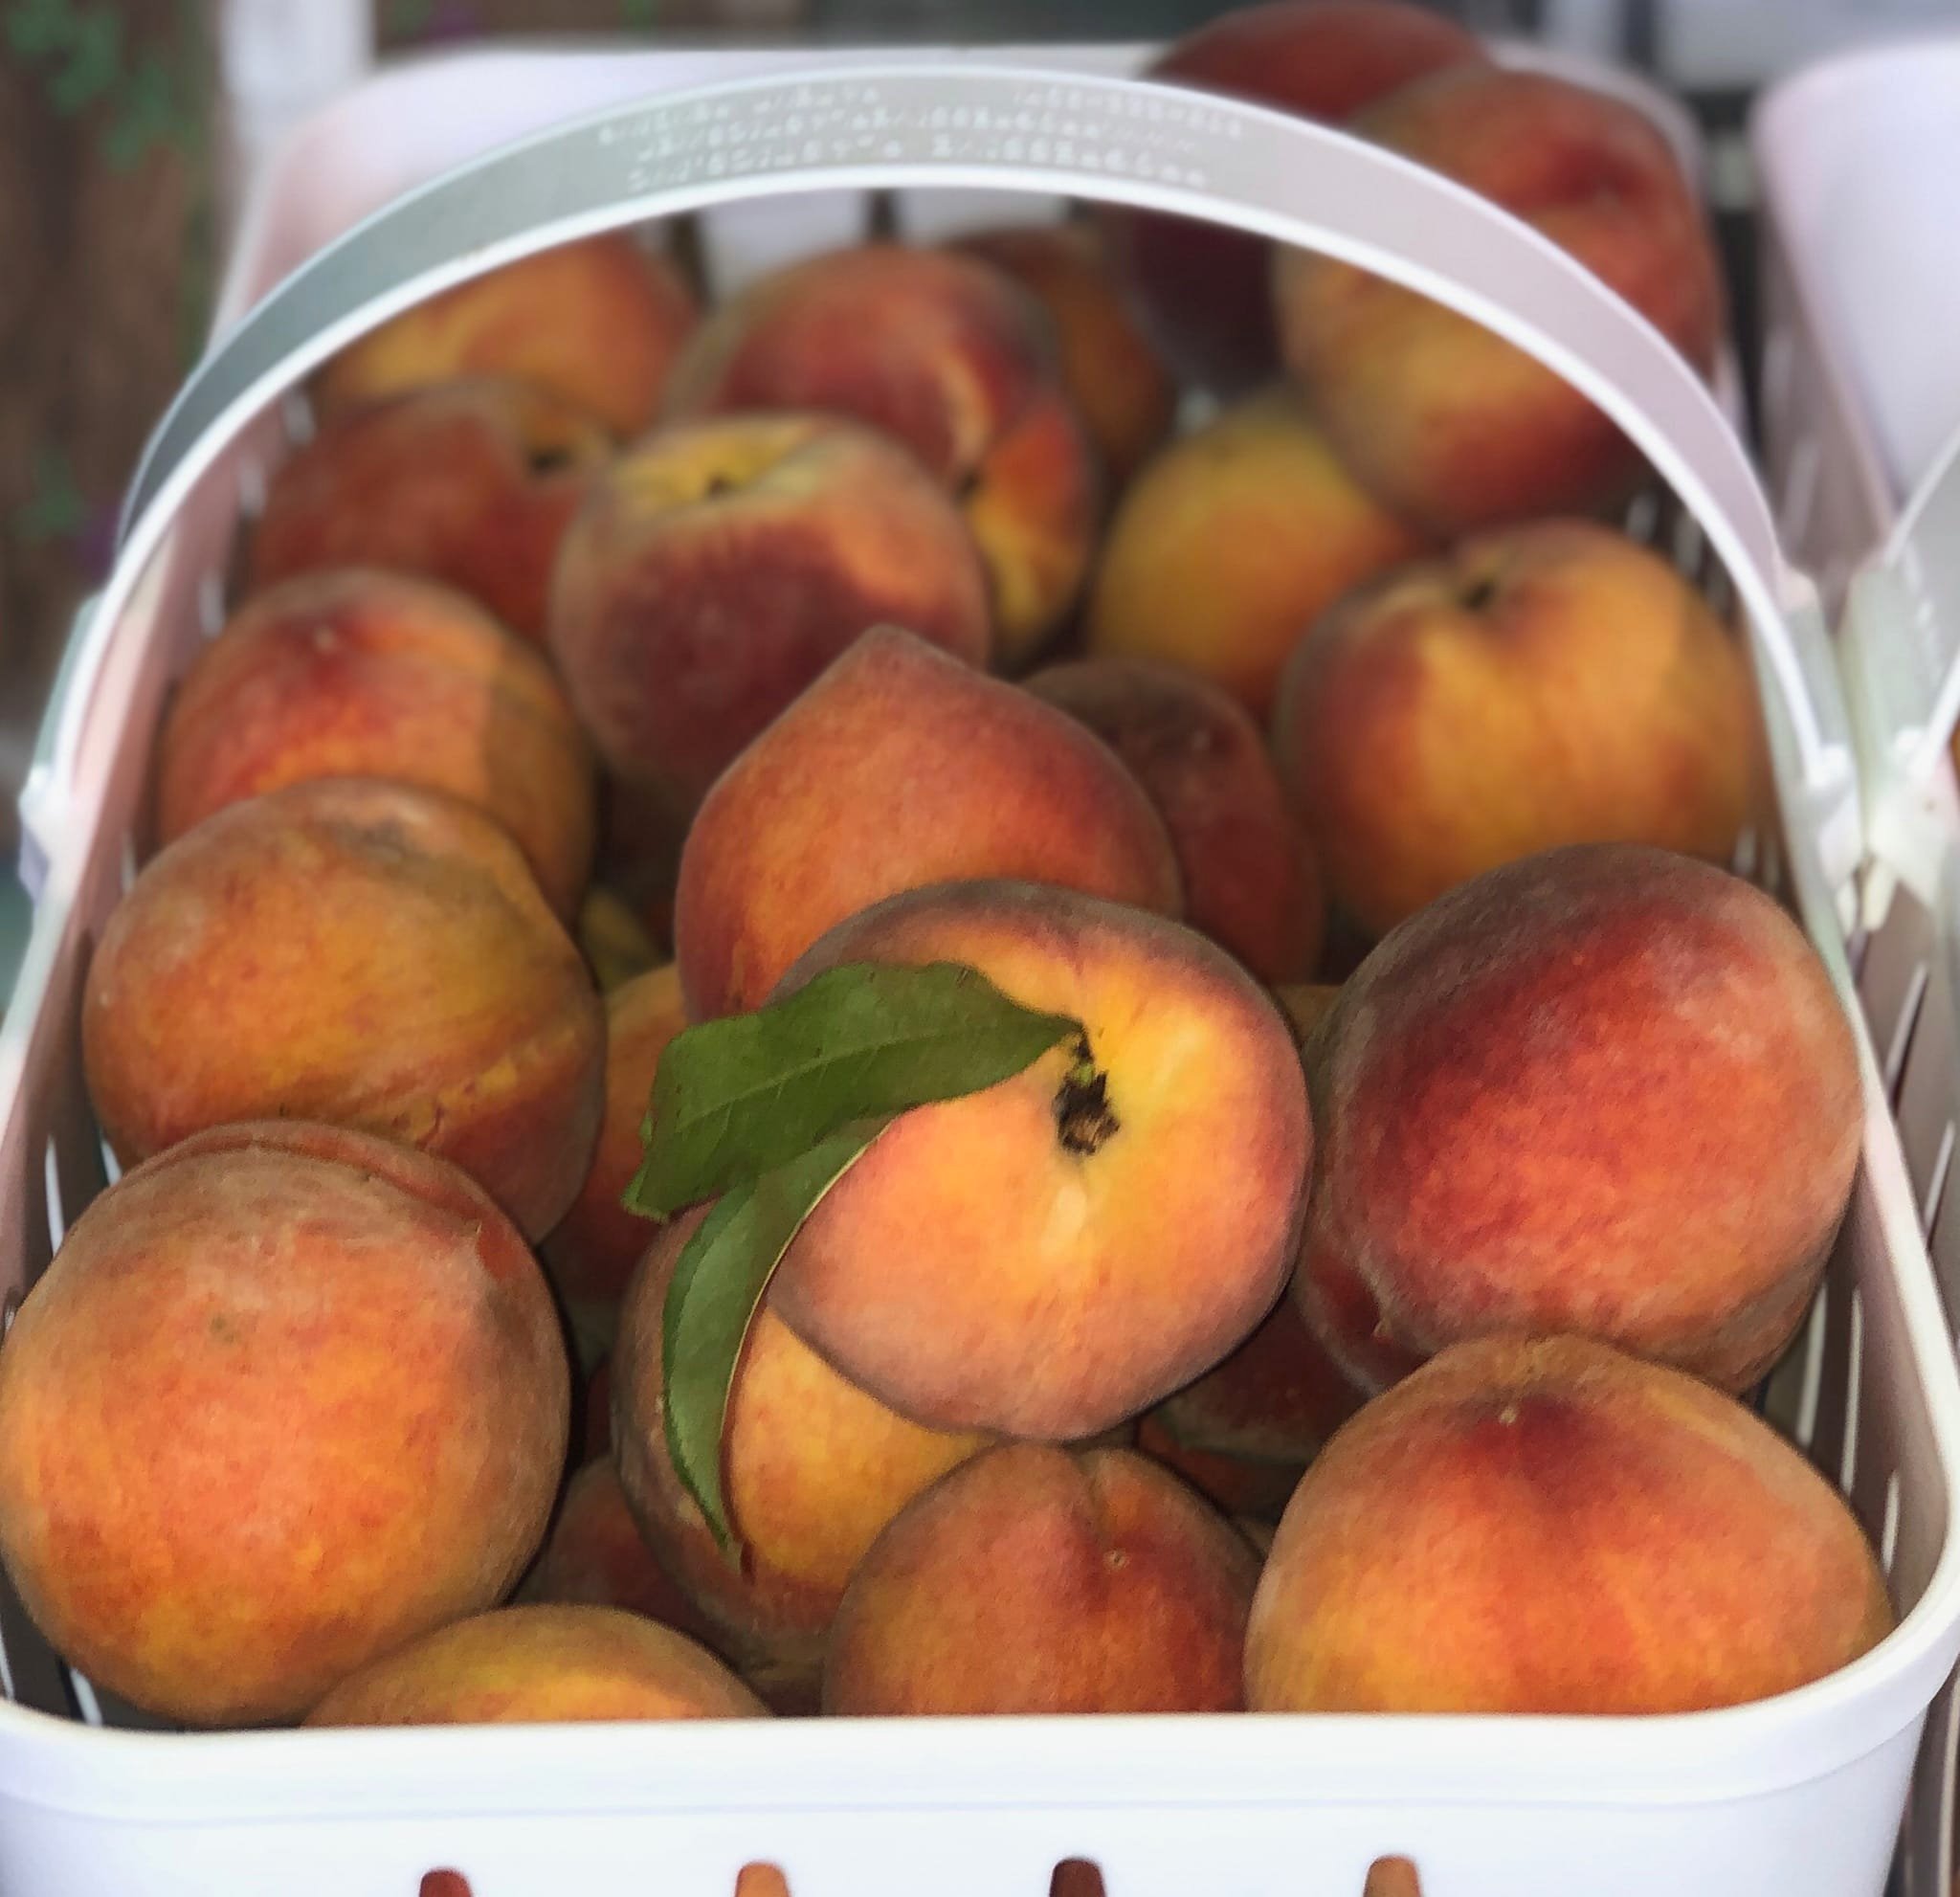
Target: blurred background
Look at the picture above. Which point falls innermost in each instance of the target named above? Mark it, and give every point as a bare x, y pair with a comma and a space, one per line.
126, 127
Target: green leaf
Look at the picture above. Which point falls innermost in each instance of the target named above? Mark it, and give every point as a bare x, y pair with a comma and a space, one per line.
734, 1098
718, 1284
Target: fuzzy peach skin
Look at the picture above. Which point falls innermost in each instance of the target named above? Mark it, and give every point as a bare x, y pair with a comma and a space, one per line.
1604, 1090
1549, 683
541, 1665
615, 942
288, 1396
597, 322
1204, 288
1547, 1526
363, 674
1049, 1255
363, 952
721, 565
1231, 543
596, 1556
472, 484
953, 358
594, 1248
1121, 388
1447, 423
899, 767
813, 1469
1032, 1581
1249, 881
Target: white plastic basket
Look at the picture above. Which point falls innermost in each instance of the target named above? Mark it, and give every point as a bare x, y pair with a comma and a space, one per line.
1804, 1793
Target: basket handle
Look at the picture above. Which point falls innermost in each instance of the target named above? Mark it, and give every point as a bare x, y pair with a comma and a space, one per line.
1115, 140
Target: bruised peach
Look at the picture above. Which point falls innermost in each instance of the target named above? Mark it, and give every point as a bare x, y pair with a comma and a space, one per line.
288, 1396
1032, 1581
357, 952
362, 673
899, 767
473, 483
1547, 1526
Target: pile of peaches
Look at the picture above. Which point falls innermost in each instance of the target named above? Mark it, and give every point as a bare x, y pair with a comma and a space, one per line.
1228, 652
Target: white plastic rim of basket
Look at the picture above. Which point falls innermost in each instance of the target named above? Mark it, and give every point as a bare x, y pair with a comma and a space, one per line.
1899, 652
1119, 141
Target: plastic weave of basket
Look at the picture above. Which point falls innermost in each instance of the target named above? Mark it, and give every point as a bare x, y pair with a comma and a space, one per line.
1804, 1793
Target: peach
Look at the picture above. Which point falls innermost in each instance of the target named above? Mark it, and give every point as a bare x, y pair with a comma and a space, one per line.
1450, 425
1121, 386
1204, 286
472, 484
1032, 1581
596, 1556
288, 1396
1604, 1090
614, 938
721, 565
541, 1665
358, 673
594, 1248
1543, 684
813, 1468
1243, 1432
1547, 1526
952, 357
357, 952
1049, 1255
598, 323
1250, 883
899, 767
1230, 544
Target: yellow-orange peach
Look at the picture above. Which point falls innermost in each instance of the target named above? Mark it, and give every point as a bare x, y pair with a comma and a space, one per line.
899, 767
813, 1468
721, 565
1230, 544
1605, 1090
1032, 1581
472, 484
363, 674
1549, 684
592, 1252
1547, 1526
1204, 286
597, 322
1049, 1255
950, 356
1120, 387
357, 952
1449, 424
1249, 881
543, 1664
288, 1396
615, 940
